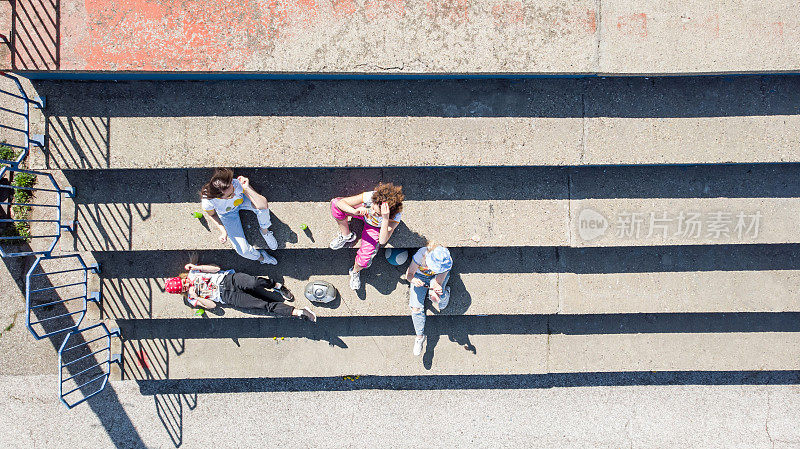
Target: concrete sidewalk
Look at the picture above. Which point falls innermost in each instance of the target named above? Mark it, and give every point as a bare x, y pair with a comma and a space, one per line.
692, 413
394, 36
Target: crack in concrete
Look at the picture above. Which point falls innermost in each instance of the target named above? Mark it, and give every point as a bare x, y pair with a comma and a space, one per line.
13, 322
569, 210
766, 419
628, 433
599, 31
547, 349
585, 130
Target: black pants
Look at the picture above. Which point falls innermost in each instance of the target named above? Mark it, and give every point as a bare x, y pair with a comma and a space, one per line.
250, 292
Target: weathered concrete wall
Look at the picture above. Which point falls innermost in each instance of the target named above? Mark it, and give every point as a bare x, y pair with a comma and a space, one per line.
399, 36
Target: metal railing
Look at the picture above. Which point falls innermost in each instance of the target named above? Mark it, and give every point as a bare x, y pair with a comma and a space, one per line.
49, 211
55, 300
51, 309
85, 363
23, 126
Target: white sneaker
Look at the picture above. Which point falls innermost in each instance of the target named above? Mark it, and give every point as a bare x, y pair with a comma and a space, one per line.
444, 300
308, 315
270, 239
355, 279
418, 342
341, 240
267, 259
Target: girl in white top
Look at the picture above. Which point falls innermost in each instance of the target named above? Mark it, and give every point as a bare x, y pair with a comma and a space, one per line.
222, 199
428, 274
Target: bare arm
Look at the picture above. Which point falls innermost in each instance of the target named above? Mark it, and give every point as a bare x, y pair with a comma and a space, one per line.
412, 268
439, 279
199, 302
387, 225
223, 233
387, 229
259, 201
215, 218
203, 268
349, 204
436, 286
205, 303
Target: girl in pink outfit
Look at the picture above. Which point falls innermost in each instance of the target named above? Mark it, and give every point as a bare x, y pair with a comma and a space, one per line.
381, 210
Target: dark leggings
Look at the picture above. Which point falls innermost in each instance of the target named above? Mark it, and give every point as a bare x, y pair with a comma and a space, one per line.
250, 292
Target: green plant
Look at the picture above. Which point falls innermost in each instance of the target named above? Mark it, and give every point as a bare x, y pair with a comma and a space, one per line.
7, 153
20, 211
23, 180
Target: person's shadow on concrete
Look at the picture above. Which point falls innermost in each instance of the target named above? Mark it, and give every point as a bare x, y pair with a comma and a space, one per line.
283, 233
437, 323
381, 274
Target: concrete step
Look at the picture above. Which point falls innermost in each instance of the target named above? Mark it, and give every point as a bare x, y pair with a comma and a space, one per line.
490, 207
104, 227
387, 36
531, 122
497, 344
490, 281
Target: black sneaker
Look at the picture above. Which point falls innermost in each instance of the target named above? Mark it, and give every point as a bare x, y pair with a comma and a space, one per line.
287, 295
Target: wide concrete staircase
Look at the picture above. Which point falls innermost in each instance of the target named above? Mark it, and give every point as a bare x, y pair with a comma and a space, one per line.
560, 200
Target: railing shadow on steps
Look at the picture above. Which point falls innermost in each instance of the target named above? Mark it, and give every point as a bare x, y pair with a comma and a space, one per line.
34, 40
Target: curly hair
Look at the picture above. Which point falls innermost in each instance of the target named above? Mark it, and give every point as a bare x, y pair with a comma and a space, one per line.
220, 182
390, 194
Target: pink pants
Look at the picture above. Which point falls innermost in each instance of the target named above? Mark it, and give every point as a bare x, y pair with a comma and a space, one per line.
369, 237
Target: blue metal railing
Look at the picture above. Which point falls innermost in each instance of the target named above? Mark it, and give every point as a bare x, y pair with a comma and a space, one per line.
51, 231
46, 312
51, 307
23, 127
85, 363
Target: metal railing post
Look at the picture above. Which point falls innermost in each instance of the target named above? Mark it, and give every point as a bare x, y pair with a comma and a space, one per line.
63, 319
96, 371
25, 130
58, 226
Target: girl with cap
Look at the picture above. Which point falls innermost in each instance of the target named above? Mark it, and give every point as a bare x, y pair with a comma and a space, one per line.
428, 273
381, 210
207, 285
222, 199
